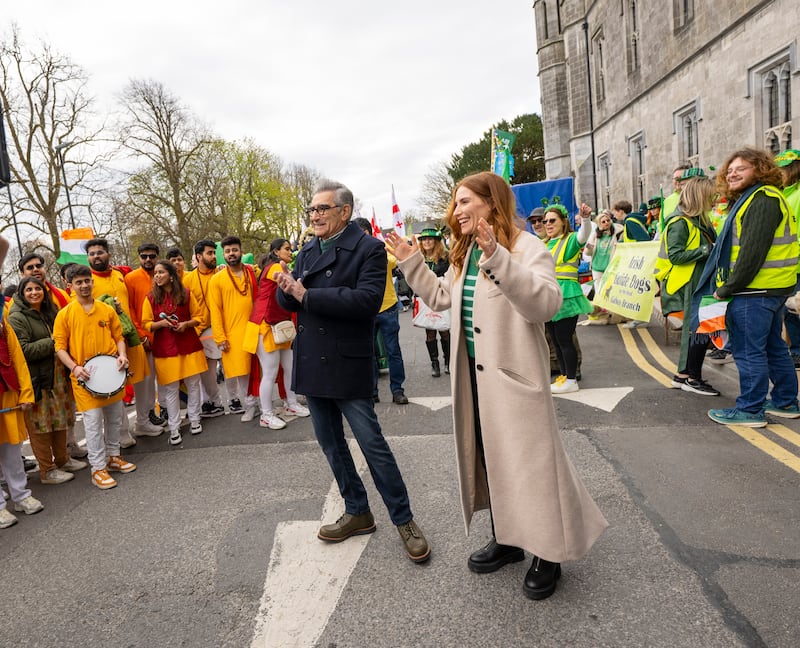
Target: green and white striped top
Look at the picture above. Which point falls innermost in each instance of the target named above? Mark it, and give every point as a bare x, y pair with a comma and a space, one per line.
468, 297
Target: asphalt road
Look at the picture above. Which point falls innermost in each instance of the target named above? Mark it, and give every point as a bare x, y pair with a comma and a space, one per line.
195, 547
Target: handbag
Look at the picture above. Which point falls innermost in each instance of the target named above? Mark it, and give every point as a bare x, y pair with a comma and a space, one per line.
424, 317
283, 332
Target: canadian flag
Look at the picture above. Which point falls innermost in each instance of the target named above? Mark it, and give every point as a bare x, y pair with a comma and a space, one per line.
397, 219
376, 231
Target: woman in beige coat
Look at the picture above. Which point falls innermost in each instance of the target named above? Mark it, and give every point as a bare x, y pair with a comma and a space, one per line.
501, 288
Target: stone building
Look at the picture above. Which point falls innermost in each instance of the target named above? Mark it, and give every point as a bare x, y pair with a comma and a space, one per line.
669, 81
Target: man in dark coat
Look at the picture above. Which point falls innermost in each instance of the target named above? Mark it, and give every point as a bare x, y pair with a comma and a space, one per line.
336, 289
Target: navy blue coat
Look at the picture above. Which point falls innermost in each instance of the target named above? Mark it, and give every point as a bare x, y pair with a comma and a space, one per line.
333, 350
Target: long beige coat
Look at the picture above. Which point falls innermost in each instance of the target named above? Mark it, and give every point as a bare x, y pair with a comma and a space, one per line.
538, 501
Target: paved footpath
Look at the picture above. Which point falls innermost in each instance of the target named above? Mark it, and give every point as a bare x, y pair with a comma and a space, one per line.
212, 543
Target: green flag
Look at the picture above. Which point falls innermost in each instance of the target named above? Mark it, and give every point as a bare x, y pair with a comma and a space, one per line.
502, 161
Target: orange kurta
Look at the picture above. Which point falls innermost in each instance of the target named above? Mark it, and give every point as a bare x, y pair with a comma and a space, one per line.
139, 284
12, 424
84, 335
112, 283
230, 300
169, 370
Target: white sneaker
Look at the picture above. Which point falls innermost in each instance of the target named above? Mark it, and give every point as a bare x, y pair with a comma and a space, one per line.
565, 386
175, 437
269, 420
249, 414
73, 465
57, 476
30, 505
147, 429
196, 428
296, 409
7, 518
127, 441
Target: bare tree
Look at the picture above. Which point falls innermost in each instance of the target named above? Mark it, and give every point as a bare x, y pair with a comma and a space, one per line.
158, 129
47, 111
436, 190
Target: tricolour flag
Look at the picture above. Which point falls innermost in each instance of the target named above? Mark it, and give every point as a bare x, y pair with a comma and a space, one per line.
711, 315
376, 231
397, 219
73, 245
502, 162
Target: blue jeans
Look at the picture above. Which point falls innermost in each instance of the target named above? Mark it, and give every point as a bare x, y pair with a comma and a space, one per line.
326, 416
388, 323
792, 323
760, 353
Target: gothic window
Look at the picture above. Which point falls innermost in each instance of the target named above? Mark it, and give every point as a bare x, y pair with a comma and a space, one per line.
683, 12
771, 87
685, 126
541, 21
633, 37
598, 43
636, 147
604, 166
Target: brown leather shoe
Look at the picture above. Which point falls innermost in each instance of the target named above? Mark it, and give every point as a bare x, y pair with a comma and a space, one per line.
347, 526
415, 543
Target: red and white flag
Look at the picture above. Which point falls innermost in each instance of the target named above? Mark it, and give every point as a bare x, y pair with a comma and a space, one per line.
397, 219
376, 231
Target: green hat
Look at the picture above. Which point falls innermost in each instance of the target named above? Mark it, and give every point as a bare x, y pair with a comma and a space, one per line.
430, 232
787, 157
694, 172
653, 203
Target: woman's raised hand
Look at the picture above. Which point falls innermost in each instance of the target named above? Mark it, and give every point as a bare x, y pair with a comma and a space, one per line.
399, 247
485, 238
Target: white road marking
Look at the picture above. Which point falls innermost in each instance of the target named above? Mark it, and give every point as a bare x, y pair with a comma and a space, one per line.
306, 576
606, 398
433, 403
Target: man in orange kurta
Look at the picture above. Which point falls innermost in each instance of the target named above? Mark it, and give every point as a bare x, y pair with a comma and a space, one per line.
139, 283
230, 299
83, 329
110, 281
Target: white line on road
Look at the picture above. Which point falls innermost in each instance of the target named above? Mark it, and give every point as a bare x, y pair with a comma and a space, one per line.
433, 403
605, 399
306, 576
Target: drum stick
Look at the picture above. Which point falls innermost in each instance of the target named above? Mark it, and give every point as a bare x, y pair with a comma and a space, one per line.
8, 409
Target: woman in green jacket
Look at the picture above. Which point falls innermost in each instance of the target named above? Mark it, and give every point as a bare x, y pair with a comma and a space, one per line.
31, 316
686, 242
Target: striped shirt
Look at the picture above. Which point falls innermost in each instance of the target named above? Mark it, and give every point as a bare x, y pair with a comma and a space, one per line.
468, 297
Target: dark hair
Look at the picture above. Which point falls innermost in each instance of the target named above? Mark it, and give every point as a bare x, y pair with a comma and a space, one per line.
78, 270
29, 257
9, 291
201, 245
173, 253
103, 243
276, 245
231, 240
791, 174
178, 291
623, 205
764, 167
148, 246
65, 268
363, 224
49, 309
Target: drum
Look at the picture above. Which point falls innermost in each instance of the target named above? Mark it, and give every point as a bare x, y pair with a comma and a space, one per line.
106, 379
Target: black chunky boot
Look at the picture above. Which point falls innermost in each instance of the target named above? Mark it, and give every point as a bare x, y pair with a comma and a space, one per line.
540, 581
446, 353
433, 352
435, 370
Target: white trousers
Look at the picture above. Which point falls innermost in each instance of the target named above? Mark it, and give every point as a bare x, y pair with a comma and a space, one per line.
269, 371
237, 388
102, 426
208, 383
145, 392
171, 398
13, 472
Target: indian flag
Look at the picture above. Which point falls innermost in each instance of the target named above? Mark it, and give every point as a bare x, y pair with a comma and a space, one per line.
712, 320
73, 245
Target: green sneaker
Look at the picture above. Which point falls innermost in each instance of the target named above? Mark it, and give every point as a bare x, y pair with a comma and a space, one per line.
793, 411
733, 416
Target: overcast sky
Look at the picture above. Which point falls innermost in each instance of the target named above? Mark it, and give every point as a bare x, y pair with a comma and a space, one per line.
368, 93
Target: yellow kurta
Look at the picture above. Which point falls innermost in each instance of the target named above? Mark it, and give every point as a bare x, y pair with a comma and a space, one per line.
230, 312
84, 335
266, 329
114, 285
196, 282
12, 424
169, 370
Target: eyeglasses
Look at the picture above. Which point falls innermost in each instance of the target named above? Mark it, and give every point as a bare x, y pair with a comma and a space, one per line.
148, 256
320, 209
550, 221
738, 170
534, 221
34, 266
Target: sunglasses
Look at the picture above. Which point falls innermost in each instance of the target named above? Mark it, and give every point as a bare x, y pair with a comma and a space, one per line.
148, 256
550, 221
535, 220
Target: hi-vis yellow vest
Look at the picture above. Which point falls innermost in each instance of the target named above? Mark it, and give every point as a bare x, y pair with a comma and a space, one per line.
565, 268
676, 276
780, 267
